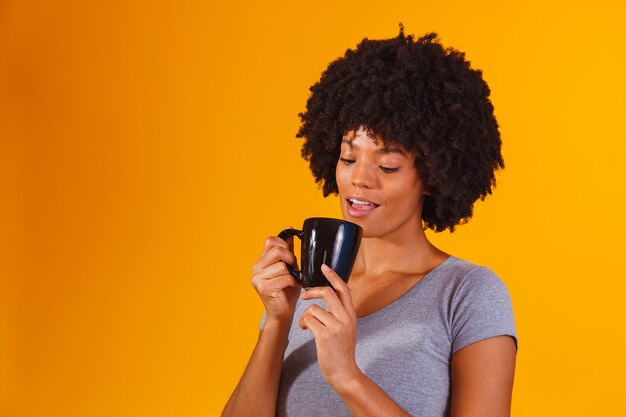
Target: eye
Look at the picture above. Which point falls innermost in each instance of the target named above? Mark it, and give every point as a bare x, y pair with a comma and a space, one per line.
388, 170
346, 161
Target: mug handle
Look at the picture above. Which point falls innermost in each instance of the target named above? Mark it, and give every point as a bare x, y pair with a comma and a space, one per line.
284, 235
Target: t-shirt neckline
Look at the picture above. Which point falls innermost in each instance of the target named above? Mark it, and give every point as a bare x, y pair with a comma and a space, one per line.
414, 288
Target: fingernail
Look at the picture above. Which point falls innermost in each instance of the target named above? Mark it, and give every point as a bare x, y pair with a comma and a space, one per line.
325, 268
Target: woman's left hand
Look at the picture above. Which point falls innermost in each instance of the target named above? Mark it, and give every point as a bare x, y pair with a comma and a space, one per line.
334, 330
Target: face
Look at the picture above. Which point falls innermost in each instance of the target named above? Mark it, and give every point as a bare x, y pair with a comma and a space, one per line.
379, 187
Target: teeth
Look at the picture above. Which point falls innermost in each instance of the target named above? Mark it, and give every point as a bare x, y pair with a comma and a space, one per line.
354, 200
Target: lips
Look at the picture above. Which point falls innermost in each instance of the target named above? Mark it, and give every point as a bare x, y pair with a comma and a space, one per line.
360, 206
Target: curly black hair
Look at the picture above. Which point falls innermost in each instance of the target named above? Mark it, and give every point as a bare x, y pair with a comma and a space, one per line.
417, 94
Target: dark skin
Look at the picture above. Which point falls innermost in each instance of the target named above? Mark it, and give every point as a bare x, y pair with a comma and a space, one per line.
394, 255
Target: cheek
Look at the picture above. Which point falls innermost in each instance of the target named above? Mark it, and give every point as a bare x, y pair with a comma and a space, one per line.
404, 193
341, 175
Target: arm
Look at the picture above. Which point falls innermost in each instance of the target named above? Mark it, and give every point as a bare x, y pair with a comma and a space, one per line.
482, 372
482, 384
482, 366
335, 339
257, 391
482, 378
364, 398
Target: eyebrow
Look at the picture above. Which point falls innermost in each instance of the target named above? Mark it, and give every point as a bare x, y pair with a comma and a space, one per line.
385, 149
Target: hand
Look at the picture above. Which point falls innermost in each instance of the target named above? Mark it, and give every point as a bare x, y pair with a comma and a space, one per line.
334, 330
278, 289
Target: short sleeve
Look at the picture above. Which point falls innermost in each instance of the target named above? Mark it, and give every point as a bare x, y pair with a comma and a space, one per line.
481, 308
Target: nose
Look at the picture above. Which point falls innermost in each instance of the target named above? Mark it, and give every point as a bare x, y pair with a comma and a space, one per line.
359, 183
362, 177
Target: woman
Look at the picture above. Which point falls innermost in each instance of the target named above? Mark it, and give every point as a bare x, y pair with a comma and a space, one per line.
403, 131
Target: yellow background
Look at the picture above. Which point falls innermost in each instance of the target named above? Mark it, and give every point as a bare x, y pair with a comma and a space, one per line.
148, 148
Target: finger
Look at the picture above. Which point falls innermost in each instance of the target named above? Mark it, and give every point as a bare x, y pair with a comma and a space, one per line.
275, 286
279, 283
335, 307
320, 314
343, 291
272, 241
276, 254
284, 281
313, 324
275, 270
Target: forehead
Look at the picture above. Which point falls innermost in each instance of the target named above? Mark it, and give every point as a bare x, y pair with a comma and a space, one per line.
355, 140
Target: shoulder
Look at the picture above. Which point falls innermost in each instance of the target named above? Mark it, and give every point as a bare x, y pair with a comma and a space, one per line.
465, 276
457, 278
479, 305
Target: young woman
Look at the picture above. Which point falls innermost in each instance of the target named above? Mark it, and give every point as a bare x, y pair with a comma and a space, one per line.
404, 132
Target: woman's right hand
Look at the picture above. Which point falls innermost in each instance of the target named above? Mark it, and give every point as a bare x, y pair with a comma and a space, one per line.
278, 289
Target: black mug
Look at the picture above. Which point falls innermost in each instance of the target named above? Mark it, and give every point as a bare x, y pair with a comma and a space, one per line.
325, 240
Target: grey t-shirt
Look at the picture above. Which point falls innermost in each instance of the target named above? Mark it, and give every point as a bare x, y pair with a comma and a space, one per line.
405, 347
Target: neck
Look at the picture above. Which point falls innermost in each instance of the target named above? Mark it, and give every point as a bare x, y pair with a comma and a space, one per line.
405, 250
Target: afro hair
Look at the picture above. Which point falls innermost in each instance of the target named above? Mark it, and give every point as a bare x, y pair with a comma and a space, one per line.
417, 94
